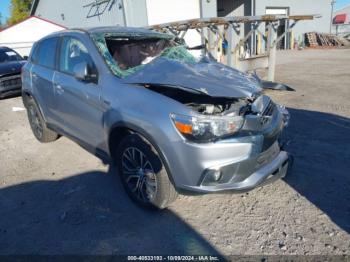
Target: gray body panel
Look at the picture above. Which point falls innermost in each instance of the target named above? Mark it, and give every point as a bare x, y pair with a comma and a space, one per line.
41, 78
207, 77
88, 113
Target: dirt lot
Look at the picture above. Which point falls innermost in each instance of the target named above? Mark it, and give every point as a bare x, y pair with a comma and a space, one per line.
57, 198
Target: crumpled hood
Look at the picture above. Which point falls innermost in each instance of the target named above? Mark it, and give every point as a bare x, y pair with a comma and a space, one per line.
11, 67
207, 76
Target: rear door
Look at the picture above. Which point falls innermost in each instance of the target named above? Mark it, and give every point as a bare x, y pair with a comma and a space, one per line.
42, 73
77, 102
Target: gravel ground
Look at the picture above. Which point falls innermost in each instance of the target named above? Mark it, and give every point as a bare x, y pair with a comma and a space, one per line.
58, 199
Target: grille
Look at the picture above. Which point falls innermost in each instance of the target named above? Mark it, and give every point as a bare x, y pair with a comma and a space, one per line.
10, 82
268, 112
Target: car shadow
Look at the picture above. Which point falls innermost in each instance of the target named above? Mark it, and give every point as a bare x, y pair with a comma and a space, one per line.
89, 213
320, 146
9, 96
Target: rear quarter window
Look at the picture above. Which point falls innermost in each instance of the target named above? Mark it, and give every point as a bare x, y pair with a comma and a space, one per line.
44, 53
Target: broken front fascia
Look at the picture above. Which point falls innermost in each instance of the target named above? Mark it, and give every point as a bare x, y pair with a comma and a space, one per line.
178, 53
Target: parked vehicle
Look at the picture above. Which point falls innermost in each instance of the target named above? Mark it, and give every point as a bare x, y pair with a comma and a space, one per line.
171, 123
10, 72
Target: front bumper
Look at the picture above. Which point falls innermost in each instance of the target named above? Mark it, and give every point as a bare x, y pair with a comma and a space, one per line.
240, 164
237, 164
269, 173
10, 85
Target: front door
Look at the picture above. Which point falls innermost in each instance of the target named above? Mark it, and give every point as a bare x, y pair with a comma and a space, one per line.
78, 102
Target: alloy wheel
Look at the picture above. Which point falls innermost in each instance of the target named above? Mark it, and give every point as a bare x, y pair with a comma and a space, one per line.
138, 174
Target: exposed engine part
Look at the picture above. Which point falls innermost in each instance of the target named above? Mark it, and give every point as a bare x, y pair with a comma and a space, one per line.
236, 108
203, 103
208, 109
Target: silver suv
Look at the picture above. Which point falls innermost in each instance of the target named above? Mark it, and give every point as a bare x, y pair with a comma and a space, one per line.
171, 122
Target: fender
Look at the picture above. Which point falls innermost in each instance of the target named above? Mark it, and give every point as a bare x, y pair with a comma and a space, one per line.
148, 137
26, 93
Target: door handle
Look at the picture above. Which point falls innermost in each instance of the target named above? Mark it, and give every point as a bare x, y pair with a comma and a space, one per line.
59, 89
34, 75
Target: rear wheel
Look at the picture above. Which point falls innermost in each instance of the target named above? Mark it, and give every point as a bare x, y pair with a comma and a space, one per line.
38, 125
143, 174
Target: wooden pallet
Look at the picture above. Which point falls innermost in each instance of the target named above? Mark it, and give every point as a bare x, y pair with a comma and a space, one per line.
314, 39
311, 39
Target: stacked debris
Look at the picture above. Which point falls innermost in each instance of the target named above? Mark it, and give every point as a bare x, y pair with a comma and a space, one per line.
314, 39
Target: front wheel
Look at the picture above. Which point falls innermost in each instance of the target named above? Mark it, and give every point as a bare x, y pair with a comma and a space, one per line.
143, 174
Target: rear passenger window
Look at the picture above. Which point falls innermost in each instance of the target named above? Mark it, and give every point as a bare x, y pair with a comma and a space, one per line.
45, 53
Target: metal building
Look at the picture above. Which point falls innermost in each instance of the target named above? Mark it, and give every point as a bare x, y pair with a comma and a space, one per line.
86, 13
89, 13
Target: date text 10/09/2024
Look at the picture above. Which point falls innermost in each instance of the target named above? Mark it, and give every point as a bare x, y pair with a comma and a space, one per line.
173, 258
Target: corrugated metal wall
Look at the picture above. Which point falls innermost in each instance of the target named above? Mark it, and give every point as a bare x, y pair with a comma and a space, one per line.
322, 7
86, 13
135, 12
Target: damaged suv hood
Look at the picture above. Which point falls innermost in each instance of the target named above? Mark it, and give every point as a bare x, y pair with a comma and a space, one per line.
206, 77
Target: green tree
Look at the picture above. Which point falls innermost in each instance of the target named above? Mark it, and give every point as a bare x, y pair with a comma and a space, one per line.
19, 10
0, 20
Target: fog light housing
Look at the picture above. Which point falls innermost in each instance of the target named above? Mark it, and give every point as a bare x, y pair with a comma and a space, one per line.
212, 177
216, 174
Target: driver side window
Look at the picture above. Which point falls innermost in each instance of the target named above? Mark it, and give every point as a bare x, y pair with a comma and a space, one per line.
73, 52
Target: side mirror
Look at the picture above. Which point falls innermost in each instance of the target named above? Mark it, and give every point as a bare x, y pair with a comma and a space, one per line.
83, 73
25, 57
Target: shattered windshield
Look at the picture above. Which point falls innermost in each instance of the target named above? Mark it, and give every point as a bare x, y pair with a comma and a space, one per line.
126, 54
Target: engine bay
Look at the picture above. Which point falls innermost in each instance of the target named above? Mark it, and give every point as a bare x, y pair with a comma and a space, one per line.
204, 104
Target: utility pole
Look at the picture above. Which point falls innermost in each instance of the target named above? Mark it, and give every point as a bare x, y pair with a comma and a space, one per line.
332, 7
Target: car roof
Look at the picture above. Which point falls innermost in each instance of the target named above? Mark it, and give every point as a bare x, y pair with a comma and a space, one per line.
115, 30
4, 48
118, 29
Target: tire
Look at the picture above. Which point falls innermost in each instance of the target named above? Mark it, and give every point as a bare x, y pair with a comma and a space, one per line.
143, 174
38, 125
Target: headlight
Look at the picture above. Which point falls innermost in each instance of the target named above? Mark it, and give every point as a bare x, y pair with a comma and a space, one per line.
206, 128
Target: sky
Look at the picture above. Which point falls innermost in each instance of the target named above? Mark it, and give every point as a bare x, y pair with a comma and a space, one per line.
339, 4
5, 4
4, 9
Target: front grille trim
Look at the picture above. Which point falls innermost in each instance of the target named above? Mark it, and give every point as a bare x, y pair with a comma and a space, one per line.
10, 81
267, 113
